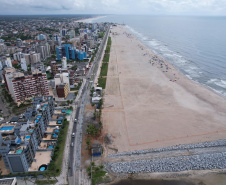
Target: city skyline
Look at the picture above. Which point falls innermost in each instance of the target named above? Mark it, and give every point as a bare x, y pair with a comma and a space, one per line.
152, 7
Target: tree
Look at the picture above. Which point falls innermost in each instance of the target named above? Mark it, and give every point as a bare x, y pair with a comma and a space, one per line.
92, 130
53, 56
100, 103
100, 124
88, 142
91, 91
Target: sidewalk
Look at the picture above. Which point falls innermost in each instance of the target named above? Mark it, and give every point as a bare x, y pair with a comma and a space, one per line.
62, 179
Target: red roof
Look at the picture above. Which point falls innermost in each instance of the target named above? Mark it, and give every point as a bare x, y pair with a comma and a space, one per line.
15, 62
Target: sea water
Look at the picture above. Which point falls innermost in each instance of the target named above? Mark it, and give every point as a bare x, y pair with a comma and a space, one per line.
196, 46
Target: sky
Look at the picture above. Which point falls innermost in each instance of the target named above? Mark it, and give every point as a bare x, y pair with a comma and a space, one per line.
152, 7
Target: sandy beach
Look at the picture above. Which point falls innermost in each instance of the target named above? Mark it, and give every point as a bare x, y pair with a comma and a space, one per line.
90, 20
149, 104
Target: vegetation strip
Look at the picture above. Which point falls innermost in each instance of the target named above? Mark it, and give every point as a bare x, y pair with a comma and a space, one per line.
104, 68
55, 165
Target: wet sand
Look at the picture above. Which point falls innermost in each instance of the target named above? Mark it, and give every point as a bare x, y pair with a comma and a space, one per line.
153, 182
203, 177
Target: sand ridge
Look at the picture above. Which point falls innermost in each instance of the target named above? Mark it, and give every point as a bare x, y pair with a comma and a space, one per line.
149, 104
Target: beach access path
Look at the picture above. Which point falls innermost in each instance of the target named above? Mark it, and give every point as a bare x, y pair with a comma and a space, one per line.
149, 104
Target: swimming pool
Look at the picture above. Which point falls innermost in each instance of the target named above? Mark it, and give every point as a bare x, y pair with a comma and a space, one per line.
69, 111
56, 130
54, 135
19, 151
39, 116
50, 146
7, 128
31, 131
27, 137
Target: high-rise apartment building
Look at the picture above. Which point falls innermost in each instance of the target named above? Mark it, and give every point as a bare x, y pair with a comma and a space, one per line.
44, 51
72, 34
41, 37
63, 32
23, 87
69, 52
5, 62
54, 68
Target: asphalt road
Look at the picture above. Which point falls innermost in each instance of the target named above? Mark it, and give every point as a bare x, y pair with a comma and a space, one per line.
75, 150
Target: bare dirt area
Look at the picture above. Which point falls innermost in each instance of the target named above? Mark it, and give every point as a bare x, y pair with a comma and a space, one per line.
149, 104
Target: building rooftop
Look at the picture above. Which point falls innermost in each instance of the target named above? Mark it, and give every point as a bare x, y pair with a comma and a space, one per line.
14, 119
41, 158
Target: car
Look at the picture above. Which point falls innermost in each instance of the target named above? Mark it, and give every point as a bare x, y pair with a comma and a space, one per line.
72, 144
73, 134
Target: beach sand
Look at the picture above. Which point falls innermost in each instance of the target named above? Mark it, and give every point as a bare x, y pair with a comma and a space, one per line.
147, 107
90, 20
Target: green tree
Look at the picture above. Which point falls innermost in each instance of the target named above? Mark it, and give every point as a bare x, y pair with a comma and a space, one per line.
88, 143
91, 91
53, 56
92, 130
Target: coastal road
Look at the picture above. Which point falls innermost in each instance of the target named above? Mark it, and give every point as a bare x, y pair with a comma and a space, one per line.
75, 173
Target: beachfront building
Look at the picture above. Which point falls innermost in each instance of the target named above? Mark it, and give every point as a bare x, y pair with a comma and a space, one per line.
21, 137
62, 90
23, 87
62, 84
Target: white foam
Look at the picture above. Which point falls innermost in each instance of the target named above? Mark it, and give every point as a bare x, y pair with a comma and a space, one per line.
218, 82
137, 34
191, 70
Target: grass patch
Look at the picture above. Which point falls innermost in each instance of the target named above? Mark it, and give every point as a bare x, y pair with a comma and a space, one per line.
104, 69
57, 159
102, 82
106, 57
98, 174
109, 41
108, 49
45, 182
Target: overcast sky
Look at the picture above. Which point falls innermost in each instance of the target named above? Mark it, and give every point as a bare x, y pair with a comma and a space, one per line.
162, 7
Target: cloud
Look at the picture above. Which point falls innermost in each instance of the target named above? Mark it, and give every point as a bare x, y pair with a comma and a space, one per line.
171, 7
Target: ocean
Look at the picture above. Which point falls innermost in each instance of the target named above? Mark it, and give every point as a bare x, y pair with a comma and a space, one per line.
196, 46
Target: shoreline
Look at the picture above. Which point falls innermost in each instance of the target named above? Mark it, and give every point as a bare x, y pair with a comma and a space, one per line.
208, 177
178, 69
181, 86
134, 86
89, 20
